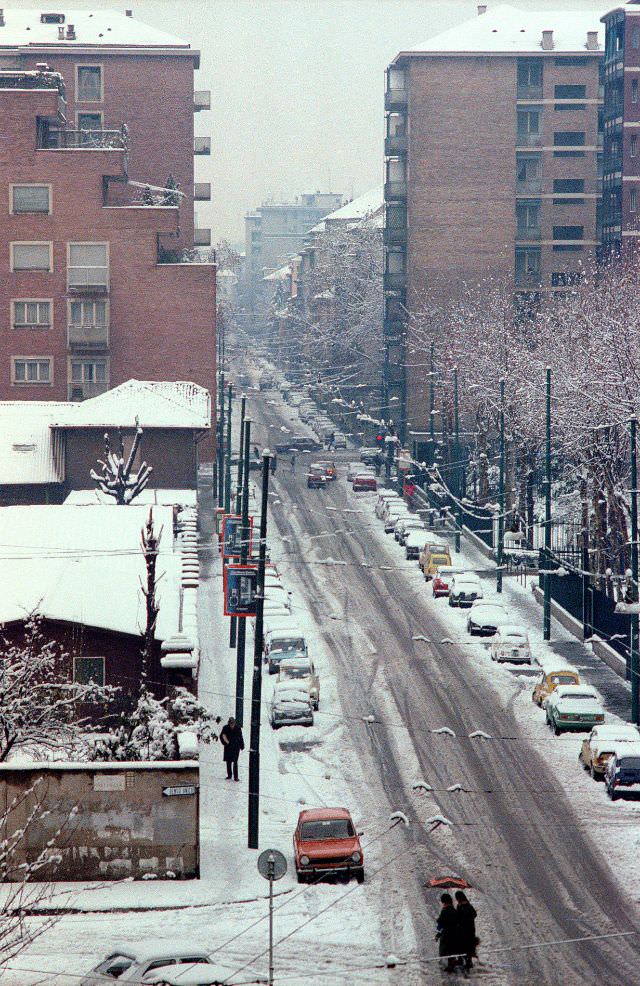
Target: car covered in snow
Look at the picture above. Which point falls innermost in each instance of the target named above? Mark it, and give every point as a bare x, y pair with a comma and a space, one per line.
550, 680
302, 670
130, 963
365, 483
432, 543
194, 975
602, 742
409, 523
413, 543
369, 455
316, 477
464, 589
339, 440
441, 583
357, 469
392, 515
573, 708
325, 843
622, 773
290, 705
511, 644
485, 618
283, 642
383, 496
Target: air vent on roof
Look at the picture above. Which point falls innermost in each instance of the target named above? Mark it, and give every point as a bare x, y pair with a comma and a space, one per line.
1, 17
60, 33
129, 13
592, 41
547, 40
482, 8
71, 33
24, 446
52, 18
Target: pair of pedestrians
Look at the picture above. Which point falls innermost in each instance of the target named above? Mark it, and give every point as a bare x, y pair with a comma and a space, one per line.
456, 931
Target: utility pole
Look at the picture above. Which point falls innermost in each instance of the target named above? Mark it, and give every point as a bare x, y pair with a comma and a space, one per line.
456, 432
546, 615
227, 462
501, 497
432, 442
220, 448
233, 626
256, 691
244, 557
634, 642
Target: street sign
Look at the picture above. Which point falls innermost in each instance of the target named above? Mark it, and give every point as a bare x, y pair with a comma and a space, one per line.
240, 589
232, 536
184, 790
272, 865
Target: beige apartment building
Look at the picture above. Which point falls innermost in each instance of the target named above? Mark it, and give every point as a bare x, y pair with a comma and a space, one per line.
493, 167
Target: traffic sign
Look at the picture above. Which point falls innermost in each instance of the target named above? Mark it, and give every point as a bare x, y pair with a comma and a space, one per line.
182, 791
272, 865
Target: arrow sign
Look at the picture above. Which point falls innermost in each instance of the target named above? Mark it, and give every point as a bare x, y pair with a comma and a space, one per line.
184, 790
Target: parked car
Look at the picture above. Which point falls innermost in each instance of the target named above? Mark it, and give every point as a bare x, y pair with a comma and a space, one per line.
433, 542
329, 468
622, 773
511, 643
354, 469
326, 843
383, 496
299, 443
573, 707
195, 975
277, 595
441, 582
409, 523
464, 589
602, 742
128, 963
282, 643
364, 483
339, 440
550, 680
436, 560
301, 670
485, 618
316, 477
368, 455
290, 705
413, 544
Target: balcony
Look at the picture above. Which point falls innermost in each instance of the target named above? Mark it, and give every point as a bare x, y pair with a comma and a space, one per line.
88, 280
202, 100
87, 335
202, 191
395, 190
531, 91
395, 235
202, 237
528, 140
395, 282
395, 144
54, 138
395, 99
83, 390
202, 145
528, 233
531, 186
528, 279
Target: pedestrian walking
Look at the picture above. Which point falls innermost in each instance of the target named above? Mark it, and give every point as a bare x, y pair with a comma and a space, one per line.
467, 924
274, 463
293, 462
256, 453
232, 742
332, 441
448, 933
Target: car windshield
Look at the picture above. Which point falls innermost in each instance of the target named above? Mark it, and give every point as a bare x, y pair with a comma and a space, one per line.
562, 679
299, 671
629, 763
578, 696
288, 643
327, 828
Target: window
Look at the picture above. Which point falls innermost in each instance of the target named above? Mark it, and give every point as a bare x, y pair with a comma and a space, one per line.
528, 167
566, 278
568, 185
31, 256
529, 74
88, 313
88, 371
633, 146
527, 216
396, 262
89, 121
568, 138
527, 264
570, 62
31, 314
52, 18
567, 248
528, 122
570, 92
31, 198
88, 669
634, 90
31, 370
633, 200
89, 84
88, 265
568, 232
635, 37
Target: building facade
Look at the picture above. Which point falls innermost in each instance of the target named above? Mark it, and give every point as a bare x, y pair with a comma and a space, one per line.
493, 164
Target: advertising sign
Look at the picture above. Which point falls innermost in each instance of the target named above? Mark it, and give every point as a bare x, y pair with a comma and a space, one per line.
232, 536
240, 588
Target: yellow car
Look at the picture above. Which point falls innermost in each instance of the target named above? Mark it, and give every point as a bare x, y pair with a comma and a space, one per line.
550, 681
436, 560
432, 545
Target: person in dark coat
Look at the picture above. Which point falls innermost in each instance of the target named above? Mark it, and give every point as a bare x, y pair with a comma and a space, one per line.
232, 743
467, 923
448, 932
273, 464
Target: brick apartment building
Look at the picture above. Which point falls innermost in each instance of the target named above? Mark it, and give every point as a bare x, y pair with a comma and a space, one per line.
493, 164
621, 207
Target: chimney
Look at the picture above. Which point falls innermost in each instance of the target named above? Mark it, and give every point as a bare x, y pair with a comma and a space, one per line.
547, 40
1, 17
42, 66
482, 8
129, 13
60, 33
592, 41
71, 34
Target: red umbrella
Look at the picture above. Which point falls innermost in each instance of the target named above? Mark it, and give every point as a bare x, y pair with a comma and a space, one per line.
448, 883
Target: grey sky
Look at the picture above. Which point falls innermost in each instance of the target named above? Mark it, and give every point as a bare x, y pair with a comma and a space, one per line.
297, 88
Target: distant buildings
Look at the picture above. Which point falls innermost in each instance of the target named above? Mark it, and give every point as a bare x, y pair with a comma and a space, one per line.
493, 165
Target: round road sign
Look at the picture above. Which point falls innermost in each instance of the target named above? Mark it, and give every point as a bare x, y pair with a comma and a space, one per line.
272, 865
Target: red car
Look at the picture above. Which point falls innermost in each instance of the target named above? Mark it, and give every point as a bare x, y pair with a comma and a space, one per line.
364, 483
441, 583
325, 842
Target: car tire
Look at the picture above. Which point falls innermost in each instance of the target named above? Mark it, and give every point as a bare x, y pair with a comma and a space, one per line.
360, 876
612, 794
557, 730
302, 877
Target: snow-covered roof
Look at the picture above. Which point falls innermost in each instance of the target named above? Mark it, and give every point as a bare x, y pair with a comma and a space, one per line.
281, 274
360, 208
28, 452
156, 404
84, 564
510, 30
101, 28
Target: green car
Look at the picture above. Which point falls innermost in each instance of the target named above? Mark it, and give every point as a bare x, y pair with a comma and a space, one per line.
573, 708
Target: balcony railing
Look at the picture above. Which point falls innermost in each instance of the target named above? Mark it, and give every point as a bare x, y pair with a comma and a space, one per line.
202, 145
531, 186
395, 144
528, 233
83, 390
395, 190
88, 279
202, 100
395, 98
52, 138
528, 140
395, 235
529, 91
202, 191
202, 237
88, 335
528, 279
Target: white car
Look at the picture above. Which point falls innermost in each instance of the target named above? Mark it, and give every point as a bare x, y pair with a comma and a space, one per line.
301, 670
339, 440
601, 744
195, 975
277, 594
383, 496
413, 543
485, 618
464, 590
511, 643
290, 705
573, 707
128, 963
405, 524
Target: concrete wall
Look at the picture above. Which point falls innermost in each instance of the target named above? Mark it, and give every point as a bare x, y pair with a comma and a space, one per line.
122, 824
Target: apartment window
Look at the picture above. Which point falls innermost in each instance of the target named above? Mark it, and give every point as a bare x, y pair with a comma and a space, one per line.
570, 92
527, 216
599, 165
568, 138
396, 262
396, 217
88, 371
568, 232
568, 184
570, 62
31, 314
529, 74
89, 121
633, 200
89, 84
634, 90
528, 167
88, 313
633, 146
528, 122
565, 278
88, 670
567, 248
31, 370
31, 256
635, 37
31, 199
527, 264
88, 265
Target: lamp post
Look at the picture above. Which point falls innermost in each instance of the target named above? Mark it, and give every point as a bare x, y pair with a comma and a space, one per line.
546, 614
634, 642
501, 497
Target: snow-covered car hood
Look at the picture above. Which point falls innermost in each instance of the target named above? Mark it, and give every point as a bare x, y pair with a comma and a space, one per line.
581, 706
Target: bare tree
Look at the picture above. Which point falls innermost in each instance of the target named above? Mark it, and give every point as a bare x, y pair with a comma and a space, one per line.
117, 478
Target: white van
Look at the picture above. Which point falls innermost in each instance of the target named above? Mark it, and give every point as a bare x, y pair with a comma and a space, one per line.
284, 642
